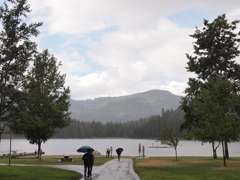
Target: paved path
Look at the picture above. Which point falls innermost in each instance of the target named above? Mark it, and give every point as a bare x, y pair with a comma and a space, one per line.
114, 170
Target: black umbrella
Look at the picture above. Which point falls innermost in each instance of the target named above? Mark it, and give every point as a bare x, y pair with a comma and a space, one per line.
119, 149
84, 149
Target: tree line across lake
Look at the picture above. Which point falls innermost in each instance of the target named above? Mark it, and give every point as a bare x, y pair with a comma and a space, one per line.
149, 127
146, 128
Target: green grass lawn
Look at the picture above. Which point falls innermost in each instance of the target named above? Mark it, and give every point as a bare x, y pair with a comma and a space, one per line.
187, 168
38, 172
155, 168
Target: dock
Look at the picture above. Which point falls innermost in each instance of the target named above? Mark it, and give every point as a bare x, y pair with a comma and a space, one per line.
158, 147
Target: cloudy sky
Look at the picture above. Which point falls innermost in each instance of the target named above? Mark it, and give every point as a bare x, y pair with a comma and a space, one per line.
123, 47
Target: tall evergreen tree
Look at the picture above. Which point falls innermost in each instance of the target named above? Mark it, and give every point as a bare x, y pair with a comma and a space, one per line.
215, 49
16, 50
46, 103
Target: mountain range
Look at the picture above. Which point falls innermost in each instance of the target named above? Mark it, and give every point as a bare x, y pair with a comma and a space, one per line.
124, 108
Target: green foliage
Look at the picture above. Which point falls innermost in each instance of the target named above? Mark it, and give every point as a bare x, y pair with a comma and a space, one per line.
16, 51
209, 114
206, 105
167, 137
46, 101
215, 48
216, 107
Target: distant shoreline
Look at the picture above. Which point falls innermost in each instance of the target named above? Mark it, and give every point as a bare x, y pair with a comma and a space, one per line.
72, 156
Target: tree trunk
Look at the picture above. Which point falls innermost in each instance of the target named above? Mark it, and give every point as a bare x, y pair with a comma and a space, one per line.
0, 132
39, 151
224, 158
214, 151
226, 149
176, 154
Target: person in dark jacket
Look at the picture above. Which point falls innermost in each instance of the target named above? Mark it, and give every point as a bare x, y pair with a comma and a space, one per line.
119, 151
88, 159
108, 152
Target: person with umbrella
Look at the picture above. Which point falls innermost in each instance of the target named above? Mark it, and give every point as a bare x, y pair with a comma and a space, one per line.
88, 159
119, 151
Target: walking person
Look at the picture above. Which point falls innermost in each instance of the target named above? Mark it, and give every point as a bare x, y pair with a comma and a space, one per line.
108, 152
119, 151
88, 159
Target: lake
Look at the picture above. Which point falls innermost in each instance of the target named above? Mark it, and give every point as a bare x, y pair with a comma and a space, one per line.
130, 146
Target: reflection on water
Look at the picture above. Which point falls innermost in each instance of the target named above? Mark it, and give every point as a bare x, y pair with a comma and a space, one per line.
130, 146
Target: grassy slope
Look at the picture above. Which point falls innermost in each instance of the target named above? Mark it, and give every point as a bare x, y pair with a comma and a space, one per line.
187, 168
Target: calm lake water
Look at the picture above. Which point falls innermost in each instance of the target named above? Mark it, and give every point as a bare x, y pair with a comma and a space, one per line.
130, 146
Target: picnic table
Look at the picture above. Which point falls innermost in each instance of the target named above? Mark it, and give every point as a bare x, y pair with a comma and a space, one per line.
66, 158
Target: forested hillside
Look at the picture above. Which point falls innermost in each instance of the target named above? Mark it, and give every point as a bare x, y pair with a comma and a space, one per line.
142, 128
124, 108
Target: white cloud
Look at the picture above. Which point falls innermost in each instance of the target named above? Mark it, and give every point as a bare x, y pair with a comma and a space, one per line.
72, 62
138, 48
